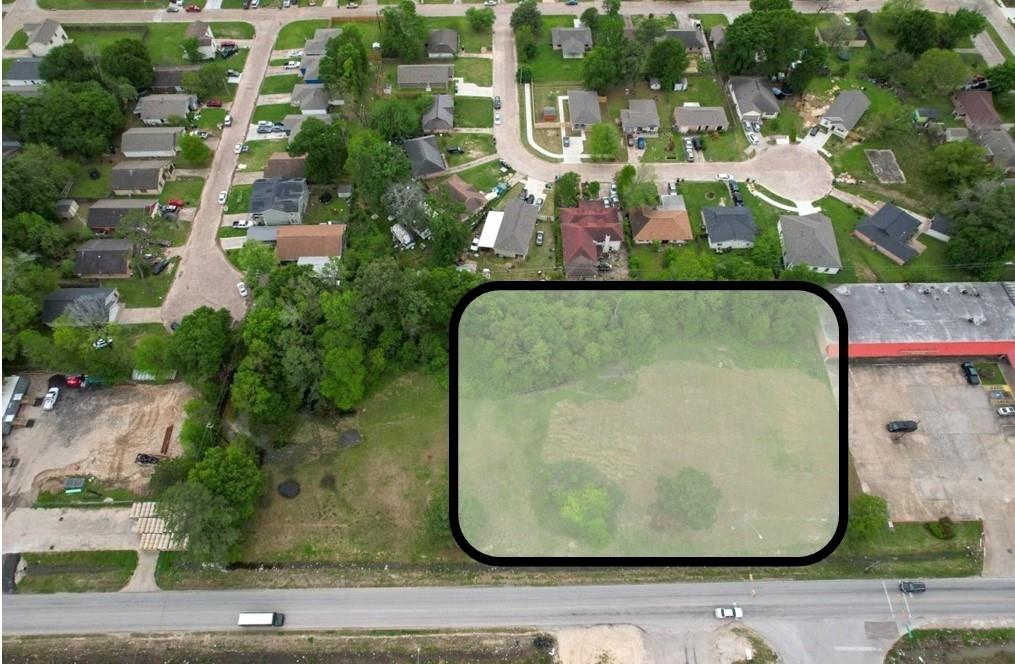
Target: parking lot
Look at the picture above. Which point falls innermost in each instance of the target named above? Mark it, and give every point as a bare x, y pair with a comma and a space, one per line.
91, 432
959, 463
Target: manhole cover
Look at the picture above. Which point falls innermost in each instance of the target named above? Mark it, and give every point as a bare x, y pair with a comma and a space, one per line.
289, 488
349, 438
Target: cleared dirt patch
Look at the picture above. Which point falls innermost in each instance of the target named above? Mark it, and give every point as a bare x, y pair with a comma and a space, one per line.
616, 644
886, 168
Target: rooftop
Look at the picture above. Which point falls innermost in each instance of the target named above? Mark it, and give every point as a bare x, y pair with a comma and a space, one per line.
299, 241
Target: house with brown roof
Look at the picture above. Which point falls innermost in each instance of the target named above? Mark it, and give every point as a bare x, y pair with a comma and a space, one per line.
668, 223
206, 43
976, 109
310, 244
281, 165
588, 232
466, 194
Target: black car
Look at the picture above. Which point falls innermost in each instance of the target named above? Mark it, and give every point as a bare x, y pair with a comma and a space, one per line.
734, 187
901, 426
146, 460
972, 375
698, 143
496, 103
813, 131
912, 587
454, 149
161, 266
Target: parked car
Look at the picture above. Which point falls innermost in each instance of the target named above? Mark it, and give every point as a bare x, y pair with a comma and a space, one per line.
723, 176
1006, 411
146, 459
698, 143
901, 426
689, 154
474, 247
242, 287
174, 325
972, 375
244, 148
77, 381
292, 64
912, 586
567, 141
753, 138
640, 143
496, 103
539, 238
160, 267
201, 134
238, 148
178, 202
723, 612
193, 8
265, 130
297, 53
630, 140
734, 187
242, 223
813, 131
490, 3
454, 149
102, 342
227, 121
172, 9
222, 197
352, 5
213, 103
49, 401
539, 202
496, 118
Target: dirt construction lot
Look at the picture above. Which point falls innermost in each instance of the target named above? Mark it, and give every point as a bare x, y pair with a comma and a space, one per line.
95, 431
960, 463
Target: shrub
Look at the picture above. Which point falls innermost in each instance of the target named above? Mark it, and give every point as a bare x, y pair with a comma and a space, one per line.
943, 528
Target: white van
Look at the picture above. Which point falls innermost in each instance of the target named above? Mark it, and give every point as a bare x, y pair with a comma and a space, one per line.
261, 620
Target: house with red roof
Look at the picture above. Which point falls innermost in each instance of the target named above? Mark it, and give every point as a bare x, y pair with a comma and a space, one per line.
588, 232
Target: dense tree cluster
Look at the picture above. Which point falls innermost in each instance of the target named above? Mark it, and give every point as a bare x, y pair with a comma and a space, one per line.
985, 237
345, 67
917, 30
403, 32
325, 147
773, 42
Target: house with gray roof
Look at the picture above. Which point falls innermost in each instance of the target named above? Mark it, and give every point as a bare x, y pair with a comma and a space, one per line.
640, 117
571, 42
583, 108
516, 228
103, 258
105, 214
139, 176
279, 201
44, 37
263, 234
425, 156
206, 42
440, 117
717, 35
692, 119
56, 303
693, 39
169, 78
425, 77
442, 43
729, 228
293, 123
313, 98
845, 112
310, 68
156, 110
753, 98
24, 72
940, 228
809, 240
318, 44
890, 231
1000, 149
150, 142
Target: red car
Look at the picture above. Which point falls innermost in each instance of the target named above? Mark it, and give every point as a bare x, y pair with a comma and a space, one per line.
77, 381
193, 8
214, 103
176, 202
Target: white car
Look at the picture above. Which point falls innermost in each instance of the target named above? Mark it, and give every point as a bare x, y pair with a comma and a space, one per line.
101, 343
496, 118
474, 247
222, 197
227, 121
50, 399
352, 5
296, 54
242, 287
723, 176
254, 4
490, 3
238, 148
292, 64
723, 613
242, 223
1006, 411
753, 138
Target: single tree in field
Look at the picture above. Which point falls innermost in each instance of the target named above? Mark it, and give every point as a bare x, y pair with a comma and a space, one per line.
690, 497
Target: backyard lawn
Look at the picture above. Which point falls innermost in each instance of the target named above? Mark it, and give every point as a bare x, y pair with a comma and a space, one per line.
468, 39
473, 112
85, 187
336, 209
161, 39
483, 177
239, 199
211, 118
77, 571
147, 292
475, 146
255, 158
549, 65
273, 112
275, 85
294, 35
186, 189
475, 70
18, 41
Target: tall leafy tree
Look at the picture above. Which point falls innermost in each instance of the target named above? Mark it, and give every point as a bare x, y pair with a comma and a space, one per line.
34, 180
768, 43
374, 164
194, 152
1001, 77
964, 23
599, 69
209, 81
395, 117
68, 63
666, 61
128, 59
345, 67
403, 32
449, 236
937, 72
480, 19
201, 344
231, 472
690, 497
33, 234
325, 148
82, 120
257, 260
958, 164
649, 30
916, 31
527, 13
985, 239
207, 521
603, 141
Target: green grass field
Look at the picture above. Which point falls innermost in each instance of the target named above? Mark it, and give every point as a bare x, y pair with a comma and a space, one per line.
483, 177
147, 292
239, 199
473, 112
18, 41
293, 35
77, 571
273, 112
161, 39
475, 70
85, 187
475, 146
273, 85
186, 189
549, 66
257, 156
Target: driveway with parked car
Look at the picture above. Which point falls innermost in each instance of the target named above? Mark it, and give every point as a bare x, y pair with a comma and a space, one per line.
960, 460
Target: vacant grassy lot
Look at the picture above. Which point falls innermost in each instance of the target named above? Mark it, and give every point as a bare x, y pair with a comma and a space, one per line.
147, 292
211, 118
77, 571
475, 146
475, 70
232, 30
293, 35
257, 156
336, 210
274, 85
186, 189
483, 177
162, 39
787, 123
473, 112
238, 199
953, 646
273, 112
85, 187
105, 4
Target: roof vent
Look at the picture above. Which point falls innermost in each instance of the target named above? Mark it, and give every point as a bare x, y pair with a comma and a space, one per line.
978, 320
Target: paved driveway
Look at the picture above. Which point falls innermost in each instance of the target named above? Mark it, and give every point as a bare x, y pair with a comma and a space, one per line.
76, 529
960, 463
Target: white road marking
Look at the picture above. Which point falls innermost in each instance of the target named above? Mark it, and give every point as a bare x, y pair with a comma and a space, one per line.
857, 648
889, 599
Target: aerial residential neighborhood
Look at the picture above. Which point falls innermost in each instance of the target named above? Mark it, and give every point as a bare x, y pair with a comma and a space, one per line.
241, 239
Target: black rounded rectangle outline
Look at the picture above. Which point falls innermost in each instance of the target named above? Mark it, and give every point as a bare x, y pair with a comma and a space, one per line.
648, 561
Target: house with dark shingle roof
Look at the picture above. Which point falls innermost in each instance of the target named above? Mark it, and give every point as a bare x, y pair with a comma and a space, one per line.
169, 78
56, 303
139, 176
103, 258
425, 77
318, 44
516, 228
155, 110
442, 43
693, 39
279, 201
845, 112
668, 223
809, 240
588, 232
729, 228
313, 98
890, 231
583, 108
940, 228
104, 214
691, 119
425, 156
24, 72
640, 117
753, 98
440, 117
1000, 149
976, 109
44, 37
150, 142
571, 42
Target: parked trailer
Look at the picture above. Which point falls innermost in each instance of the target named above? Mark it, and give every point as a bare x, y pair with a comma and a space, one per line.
261, 620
